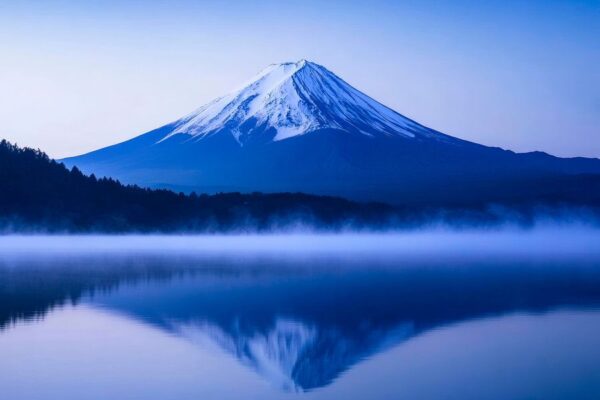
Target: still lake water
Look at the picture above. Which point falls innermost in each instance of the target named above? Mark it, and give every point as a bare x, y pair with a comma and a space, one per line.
415, 316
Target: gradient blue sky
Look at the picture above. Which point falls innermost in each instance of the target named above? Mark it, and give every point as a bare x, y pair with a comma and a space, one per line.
79, 75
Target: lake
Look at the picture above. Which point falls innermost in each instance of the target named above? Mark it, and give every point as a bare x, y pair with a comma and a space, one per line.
429, 315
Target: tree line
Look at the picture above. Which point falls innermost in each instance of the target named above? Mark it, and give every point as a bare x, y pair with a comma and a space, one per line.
39, 194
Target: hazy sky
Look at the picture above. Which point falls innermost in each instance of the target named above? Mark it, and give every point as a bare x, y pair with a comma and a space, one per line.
79, 75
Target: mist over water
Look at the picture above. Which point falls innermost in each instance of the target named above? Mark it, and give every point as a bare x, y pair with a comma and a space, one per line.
426, 314
543, 241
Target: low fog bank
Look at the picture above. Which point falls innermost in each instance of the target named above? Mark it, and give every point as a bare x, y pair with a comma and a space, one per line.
333, 219
542, 240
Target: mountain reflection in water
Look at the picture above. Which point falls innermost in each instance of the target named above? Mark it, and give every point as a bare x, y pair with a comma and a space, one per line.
299, 322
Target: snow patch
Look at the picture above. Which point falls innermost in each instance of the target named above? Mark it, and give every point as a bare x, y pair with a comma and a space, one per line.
292, 99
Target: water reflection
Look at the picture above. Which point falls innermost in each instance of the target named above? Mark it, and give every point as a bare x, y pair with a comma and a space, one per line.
299, 322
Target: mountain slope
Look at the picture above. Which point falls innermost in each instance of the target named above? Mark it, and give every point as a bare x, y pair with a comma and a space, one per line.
299, 127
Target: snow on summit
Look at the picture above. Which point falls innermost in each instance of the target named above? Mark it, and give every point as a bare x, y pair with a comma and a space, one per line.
294, 98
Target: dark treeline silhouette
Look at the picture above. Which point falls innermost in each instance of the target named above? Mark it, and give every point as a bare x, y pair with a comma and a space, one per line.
38, 194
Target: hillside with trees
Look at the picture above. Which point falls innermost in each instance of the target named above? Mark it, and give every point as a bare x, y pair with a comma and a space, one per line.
38, 194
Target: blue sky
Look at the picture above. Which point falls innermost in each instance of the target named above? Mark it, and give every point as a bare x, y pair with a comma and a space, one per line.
79, 75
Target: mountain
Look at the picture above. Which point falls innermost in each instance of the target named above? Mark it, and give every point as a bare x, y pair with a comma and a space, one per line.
297, 127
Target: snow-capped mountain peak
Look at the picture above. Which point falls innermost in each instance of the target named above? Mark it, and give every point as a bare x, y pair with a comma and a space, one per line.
297, 127
293, 98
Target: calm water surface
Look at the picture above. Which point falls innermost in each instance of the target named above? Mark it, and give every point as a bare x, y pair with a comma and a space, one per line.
300, 317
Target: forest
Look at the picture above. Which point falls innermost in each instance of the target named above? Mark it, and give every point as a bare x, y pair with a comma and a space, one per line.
40, 195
